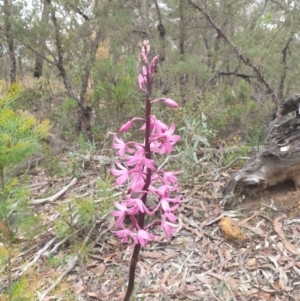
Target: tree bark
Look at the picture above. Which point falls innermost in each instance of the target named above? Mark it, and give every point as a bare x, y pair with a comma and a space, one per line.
10, 41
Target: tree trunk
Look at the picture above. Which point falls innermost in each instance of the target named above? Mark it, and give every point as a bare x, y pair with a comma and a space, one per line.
182, 37
84, 114
39, 60
284, 66
162, 32
10, 41
85, 111
145, 16
278, 160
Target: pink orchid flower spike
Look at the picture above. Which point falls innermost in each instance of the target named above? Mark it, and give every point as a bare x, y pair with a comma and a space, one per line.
149, 192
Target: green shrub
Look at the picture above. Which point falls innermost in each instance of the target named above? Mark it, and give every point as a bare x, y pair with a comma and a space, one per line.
20, 132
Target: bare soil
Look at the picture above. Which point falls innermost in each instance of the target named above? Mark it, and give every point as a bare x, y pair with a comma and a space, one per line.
283, 199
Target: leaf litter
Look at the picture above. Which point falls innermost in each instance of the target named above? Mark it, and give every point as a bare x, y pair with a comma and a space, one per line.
242, 254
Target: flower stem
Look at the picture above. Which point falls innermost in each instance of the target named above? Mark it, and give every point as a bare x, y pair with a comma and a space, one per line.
133, 263
141, 217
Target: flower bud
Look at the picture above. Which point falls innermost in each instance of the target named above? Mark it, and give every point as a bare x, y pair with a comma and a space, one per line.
170, 102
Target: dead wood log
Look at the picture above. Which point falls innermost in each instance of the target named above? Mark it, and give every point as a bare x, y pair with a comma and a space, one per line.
279, 158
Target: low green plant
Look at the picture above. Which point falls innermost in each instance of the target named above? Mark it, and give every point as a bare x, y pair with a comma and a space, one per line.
79, 214
17, 225
194, 134
115, 96
20, 131
234, 111
86, 209
19, 291
55, 261
15, 212
82, 156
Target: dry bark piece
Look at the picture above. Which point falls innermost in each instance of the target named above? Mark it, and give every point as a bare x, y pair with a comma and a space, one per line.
4, 230
231, 231
277, 161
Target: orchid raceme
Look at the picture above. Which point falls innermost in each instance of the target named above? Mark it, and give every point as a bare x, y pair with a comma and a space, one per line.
135, 168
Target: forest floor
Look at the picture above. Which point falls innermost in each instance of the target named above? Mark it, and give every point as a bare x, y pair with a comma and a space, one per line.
201, 262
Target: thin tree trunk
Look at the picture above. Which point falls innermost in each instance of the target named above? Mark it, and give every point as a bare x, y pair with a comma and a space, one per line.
10, 41
162, 32
145, 15
39, 60
84, 114
60, 60
182, 36
83, 124
284, 64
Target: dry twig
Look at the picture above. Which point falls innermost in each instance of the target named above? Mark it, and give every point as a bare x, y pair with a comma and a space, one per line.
55, 196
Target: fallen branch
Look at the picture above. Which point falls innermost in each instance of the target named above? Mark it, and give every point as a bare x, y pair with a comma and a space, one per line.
103, 160
55, 196
38, 255
70, 267
21, 168
226, 150
232, 162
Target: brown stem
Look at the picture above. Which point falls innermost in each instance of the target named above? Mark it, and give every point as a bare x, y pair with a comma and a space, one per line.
133, 263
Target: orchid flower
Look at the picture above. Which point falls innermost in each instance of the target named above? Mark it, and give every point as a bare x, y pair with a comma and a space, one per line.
168, 228
168, 210
139, 160
121, 214
125, 234
164, 141
121, 146
144, 236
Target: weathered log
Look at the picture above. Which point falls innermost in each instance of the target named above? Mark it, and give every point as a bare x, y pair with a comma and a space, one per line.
279, 158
